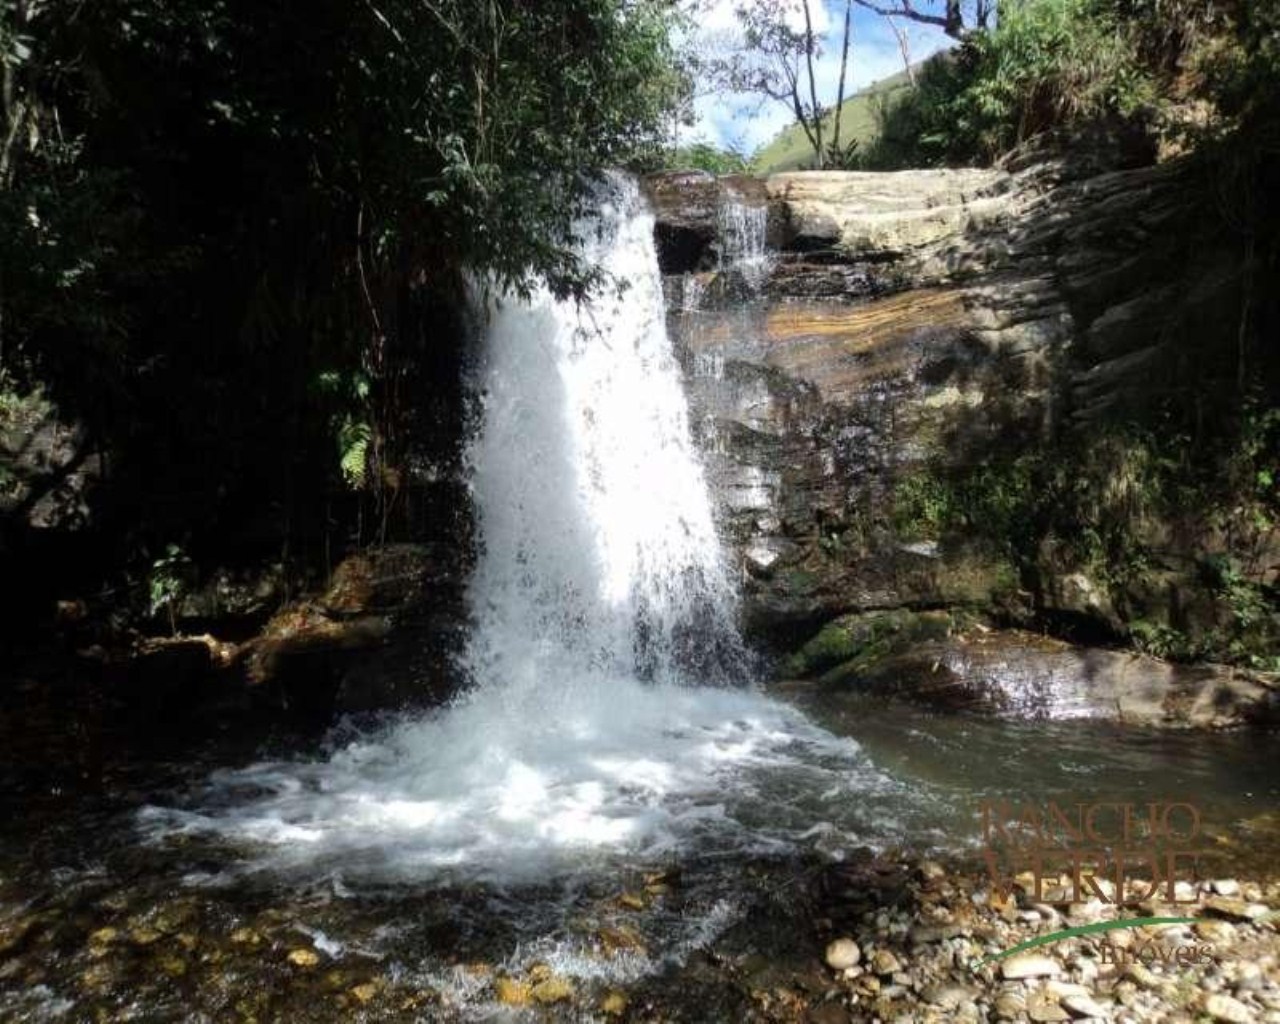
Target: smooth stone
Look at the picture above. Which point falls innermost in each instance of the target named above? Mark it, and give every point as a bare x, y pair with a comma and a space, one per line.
553, 990
884, 962
1227, 1009
1061, 989
512, 992
1249, 976
842, 954
303, 957
1083, 1006
1215, 931
1009, 1006
1143, 976
923, 934
1086, 913
364, 993
1184, 892
1226, 887
1043, 1005
948, 996
144, 936
1030, 965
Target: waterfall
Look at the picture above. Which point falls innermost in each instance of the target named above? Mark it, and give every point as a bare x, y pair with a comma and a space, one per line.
743, 229
598, 547
600, 602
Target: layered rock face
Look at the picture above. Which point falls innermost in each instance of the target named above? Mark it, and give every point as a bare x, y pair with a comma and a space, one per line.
907, 322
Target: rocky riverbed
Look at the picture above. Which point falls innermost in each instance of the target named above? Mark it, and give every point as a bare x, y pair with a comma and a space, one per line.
888, 938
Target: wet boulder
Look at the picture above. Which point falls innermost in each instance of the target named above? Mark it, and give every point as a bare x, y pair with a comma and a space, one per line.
1014, 674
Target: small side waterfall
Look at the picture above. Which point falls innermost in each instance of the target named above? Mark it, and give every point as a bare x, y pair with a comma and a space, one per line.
743, 233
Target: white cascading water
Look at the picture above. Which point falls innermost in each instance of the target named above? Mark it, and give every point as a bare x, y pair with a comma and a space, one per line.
743, 229
599, 553
601, 602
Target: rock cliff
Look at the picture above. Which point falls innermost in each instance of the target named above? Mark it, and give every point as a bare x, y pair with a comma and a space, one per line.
930, 322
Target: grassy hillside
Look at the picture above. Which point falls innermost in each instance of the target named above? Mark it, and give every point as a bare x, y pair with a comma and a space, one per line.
790, 150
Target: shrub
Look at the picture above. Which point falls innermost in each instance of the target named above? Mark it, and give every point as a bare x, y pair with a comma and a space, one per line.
1048, 63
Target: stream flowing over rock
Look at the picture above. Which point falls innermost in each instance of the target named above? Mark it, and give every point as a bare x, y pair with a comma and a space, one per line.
924, 322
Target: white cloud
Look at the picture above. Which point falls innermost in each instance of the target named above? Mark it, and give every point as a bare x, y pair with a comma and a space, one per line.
730, 119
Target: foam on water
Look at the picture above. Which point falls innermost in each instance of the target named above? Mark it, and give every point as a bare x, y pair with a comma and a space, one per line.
602, 607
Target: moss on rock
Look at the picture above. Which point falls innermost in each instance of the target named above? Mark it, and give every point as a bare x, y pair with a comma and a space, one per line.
866, 635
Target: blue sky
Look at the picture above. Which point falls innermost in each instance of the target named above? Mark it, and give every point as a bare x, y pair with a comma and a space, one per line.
744, 122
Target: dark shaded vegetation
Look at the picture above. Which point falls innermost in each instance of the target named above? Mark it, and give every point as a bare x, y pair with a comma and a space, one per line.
232, 248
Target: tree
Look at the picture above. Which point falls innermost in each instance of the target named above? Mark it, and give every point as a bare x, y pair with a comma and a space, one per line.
776, 61
231, 231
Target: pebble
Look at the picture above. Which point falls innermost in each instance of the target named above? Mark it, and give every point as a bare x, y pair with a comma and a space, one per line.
1083, 1006
1043, 1005
1010, 1005
1227, 1009
1249, 975
101, 940
1215, 931
303, 957
884, 962
1226, 887
552, 990
1143, 976
144, 936
923, 934
1030, 965
931, 871
364, 993
842, 954
512, 992
1086, 913
948, 996
1185, 892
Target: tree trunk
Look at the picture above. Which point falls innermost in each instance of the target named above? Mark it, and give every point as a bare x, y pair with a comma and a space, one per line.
815, 110
844, 63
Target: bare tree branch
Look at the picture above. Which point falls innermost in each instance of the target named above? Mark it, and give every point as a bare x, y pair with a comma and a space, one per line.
904, 46
952, 22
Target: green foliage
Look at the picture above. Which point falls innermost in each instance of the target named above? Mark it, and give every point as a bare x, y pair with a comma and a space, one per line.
859, 125
703, 156
168, 581
233, 234
1049, 64
1046, 64
354, 438
1161, 640
922, 505
1103, 506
